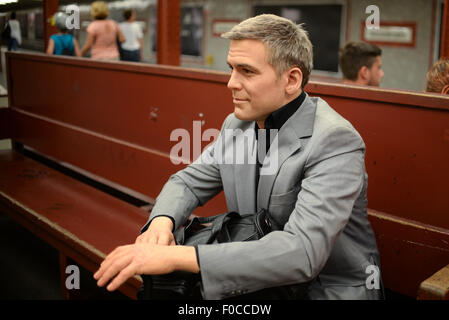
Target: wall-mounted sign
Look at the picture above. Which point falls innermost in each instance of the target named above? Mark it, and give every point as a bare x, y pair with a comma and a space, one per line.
390, 34
220, 26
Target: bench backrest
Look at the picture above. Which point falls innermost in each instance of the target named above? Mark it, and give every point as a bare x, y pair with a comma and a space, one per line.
114, 120
407, 155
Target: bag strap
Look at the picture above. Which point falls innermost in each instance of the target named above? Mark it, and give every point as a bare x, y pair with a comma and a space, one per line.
207, 219
217, 221
218, 225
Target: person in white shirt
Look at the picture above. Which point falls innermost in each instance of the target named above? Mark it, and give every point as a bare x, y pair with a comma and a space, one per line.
132, 48
16, 39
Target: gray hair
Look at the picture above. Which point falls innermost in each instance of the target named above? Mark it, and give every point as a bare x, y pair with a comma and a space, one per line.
287, 43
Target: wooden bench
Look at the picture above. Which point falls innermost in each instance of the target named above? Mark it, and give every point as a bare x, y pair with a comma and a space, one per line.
95, 121
80, 221
111, 122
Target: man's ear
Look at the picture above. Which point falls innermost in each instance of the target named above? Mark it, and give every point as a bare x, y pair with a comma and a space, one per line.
363, 73
294, 80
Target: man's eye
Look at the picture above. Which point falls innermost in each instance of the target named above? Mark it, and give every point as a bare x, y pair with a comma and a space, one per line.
247, 71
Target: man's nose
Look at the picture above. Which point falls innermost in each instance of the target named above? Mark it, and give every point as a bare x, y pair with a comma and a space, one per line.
233, 83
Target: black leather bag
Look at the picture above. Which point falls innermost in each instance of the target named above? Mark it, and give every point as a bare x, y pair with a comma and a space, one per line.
227, 227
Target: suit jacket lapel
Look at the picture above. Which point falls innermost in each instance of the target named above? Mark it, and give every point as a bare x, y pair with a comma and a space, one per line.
300, 125
245, 174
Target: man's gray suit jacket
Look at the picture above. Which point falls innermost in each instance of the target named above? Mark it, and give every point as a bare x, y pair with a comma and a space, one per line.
313, 183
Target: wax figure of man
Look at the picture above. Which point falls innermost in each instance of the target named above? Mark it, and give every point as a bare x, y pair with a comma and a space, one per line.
316, 192
361, 64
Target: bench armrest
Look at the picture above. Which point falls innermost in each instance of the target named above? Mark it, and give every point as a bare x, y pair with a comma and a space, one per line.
436, 287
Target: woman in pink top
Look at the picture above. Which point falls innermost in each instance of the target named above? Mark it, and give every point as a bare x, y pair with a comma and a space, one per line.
102, 34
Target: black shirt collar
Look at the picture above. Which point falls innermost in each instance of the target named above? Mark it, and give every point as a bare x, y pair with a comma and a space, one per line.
275, 121
277, 118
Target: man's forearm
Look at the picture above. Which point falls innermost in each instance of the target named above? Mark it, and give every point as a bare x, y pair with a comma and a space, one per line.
144, 258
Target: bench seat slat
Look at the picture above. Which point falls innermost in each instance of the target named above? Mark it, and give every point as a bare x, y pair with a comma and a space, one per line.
88, 221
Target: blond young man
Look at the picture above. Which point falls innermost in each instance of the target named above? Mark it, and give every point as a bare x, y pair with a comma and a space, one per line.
316, 194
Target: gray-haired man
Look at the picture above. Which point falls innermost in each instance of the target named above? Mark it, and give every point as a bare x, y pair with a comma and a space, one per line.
317, 192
